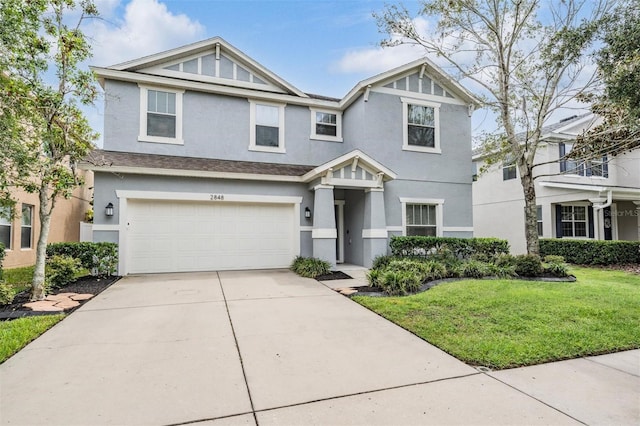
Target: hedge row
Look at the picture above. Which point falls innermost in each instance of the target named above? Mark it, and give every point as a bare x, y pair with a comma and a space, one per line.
592, 252
99, 258
463, 248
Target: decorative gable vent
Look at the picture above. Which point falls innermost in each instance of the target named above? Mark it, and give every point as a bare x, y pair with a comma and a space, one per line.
215, 65
417, 84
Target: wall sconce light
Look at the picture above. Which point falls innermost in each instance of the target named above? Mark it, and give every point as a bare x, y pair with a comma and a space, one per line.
109, 209
307, 213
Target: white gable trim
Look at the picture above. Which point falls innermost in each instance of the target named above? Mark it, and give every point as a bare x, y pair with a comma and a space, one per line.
355, 155
209, 44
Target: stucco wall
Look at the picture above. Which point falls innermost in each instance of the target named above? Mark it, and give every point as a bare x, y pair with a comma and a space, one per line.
65, 222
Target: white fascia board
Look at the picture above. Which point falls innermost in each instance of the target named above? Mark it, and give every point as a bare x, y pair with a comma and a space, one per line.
590, 117
203, 196
346, 159
590, 188
106, 73
189, 173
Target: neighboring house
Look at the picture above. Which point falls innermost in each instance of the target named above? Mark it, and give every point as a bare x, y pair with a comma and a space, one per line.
597, 199
213, 162
20, 235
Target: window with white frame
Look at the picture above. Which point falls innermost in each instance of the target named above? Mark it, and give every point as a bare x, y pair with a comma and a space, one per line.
422, 216
267, 127
574, 221
539, 220
5, 227
160, 115
509, 168
326, 125
26, 234
595, 167
421, 125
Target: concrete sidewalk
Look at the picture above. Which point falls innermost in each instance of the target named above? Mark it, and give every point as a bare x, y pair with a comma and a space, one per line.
268, 347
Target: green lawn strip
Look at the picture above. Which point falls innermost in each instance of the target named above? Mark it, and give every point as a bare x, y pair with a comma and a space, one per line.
19, 278
511, 323
16, 334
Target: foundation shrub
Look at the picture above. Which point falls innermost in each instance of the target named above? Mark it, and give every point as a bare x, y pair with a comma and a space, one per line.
590, 252
310, 267
555, 266
61, 270
399, 283
98, 258
462, 248
528, 265
474, 269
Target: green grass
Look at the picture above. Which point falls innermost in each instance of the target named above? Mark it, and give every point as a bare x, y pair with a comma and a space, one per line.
19, 278
510, 323
16, 334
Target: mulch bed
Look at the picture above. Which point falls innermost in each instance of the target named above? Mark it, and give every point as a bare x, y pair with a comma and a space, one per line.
88, 284
333, 275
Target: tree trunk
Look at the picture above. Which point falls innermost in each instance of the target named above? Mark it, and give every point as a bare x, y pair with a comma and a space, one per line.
530, 210
37, 285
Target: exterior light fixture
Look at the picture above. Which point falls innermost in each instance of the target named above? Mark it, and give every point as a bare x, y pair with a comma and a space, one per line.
109, 209
307, 213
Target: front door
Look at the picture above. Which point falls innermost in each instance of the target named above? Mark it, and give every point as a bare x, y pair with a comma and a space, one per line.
608, 224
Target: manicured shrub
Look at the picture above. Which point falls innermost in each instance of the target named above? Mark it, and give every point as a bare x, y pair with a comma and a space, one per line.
592, 252
381, 262
474, 269
462, 248
399, 283
528, 265
373, 277
98, 258
556, 266
310, 267
61, 270
501, 271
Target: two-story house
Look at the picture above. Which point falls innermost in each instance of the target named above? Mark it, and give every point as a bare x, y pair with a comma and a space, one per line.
595, 199
213, 162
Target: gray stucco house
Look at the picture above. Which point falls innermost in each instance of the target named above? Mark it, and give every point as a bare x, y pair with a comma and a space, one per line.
213, 162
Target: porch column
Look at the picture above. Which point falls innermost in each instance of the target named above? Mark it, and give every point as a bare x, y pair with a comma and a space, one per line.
324, 231
374, 230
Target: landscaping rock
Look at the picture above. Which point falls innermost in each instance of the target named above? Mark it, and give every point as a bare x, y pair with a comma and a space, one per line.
67, 304
43, 306
80, 297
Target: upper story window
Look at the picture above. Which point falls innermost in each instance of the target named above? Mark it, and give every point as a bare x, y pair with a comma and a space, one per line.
267, 127
421, 125
326, 125
5, 227
160, 115
509, 170
26, 231
594, 168
422, 216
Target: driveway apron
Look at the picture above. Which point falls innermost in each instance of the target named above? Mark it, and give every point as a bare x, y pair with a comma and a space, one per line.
246, 348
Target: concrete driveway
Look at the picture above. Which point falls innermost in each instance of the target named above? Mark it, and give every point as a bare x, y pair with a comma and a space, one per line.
268, 347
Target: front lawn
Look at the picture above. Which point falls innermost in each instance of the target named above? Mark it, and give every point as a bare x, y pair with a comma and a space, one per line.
19, 278
509, 323
16, 334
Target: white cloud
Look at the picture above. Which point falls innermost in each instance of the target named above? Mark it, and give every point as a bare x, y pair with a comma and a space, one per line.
146, 27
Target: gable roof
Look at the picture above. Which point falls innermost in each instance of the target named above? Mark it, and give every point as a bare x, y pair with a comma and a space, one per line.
211, 44
425, 66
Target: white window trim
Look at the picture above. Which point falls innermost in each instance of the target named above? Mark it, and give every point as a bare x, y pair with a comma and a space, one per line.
31, 212
142, 135
586, 221
315, 136
252, 127
10, 224
405, 125
438, 202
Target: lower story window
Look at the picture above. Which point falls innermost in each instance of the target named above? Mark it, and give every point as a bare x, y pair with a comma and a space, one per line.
27, 227
539, 214
421, 220
574, 221
5, 227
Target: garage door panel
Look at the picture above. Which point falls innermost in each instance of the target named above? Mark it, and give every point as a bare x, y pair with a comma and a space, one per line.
166, 236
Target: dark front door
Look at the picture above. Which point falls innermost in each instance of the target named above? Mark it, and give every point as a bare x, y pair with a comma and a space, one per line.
608, 224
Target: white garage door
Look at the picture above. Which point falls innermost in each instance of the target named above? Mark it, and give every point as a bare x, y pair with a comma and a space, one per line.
174, 236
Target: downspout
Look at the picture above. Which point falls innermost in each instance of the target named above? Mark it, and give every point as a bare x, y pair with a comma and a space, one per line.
607, 204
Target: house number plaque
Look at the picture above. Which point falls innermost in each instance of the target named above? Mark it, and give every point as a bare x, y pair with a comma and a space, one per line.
216, 197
